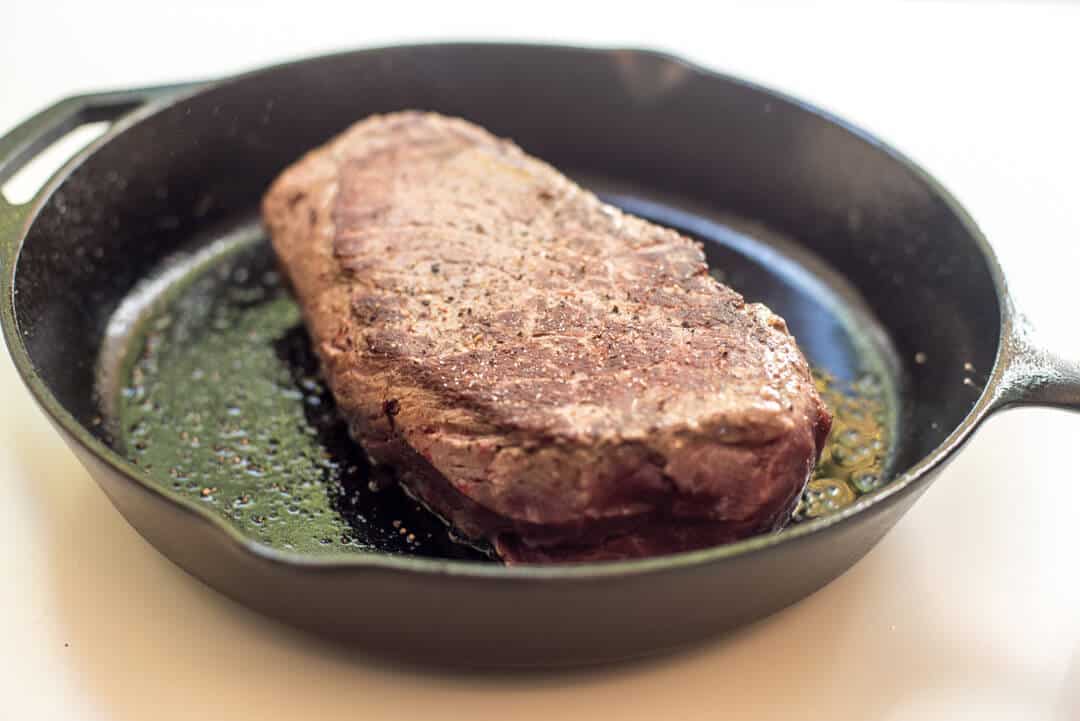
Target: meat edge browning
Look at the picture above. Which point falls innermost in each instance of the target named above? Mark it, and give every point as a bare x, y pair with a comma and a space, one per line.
672, 520
646, 491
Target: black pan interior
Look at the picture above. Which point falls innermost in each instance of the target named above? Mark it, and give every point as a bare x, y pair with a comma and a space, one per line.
874, 241
208, 383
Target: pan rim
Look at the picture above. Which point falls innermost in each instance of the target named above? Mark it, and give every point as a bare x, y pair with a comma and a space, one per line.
908, 481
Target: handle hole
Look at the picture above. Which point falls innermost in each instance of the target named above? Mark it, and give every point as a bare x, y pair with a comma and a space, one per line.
21, 187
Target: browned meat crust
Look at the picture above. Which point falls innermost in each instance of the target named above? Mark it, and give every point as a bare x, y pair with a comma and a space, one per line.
542, 369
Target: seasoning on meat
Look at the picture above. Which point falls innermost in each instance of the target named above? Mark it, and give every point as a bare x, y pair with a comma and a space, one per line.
539, 368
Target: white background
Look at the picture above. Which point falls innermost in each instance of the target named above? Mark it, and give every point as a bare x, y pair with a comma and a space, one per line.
970, 609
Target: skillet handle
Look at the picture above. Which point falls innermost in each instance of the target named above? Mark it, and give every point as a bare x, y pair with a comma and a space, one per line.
1032, 375
35, 134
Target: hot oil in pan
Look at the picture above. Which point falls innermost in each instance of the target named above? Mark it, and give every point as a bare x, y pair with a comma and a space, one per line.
223, 404
855, 456
220, 401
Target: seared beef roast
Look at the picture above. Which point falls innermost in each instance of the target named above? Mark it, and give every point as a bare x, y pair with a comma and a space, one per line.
541, 369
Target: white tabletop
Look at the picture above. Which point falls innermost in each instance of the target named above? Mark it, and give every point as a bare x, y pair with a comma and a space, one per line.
969, 609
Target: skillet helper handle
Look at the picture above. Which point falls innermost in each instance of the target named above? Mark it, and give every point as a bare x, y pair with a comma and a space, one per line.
37, 133
1031, 374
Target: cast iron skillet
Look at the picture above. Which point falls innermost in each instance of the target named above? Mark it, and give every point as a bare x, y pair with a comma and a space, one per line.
885, 256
